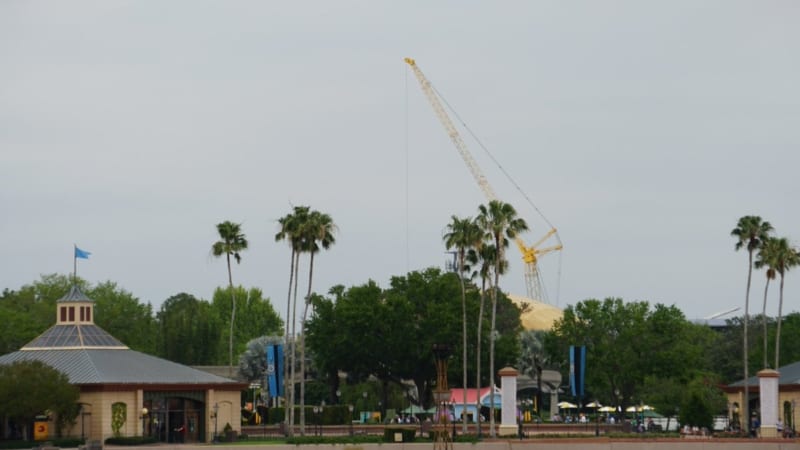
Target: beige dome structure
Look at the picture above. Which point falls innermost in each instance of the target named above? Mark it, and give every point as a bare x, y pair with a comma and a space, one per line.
536, 316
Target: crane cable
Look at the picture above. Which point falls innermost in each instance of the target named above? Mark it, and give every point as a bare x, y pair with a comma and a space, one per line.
510, 178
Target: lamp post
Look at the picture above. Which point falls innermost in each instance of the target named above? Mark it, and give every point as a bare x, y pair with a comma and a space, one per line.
316, 419
321, 416
364, 407
596, 418
216, 413
83, 419
350, 408
144, 417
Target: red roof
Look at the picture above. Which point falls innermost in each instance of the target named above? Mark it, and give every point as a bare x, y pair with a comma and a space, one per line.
457, 395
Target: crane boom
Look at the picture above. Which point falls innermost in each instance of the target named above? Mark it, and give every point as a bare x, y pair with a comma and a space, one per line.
530, 254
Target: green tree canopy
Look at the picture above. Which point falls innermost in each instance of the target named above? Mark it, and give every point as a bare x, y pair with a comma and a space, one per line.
45, 389
257, 315
365, 330
190, 331
627, 343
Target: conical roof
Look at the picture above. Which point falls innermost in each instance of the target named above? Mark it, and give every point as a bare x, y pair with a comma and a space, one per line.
74, 295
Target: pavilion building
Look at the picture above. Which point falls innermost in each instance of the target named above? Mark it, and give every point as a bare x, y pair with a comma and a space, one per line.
128, 393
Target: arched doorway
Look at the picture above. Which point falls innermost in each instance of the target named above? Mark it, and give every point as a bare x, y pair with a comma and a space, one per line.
175, 416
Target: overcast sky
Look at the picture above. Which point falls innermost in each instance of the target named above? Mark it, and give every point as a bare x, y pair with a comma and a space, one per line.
641, 130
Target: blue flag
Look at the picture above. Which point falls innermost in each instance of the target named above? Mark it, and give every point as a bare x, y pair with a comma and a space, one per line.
81, 253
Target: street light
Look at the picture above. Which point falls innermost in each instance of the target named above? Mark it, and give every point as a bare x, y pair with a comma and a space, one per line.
364, 406
596, 417
144, 417
350, 408
316, 419
321, 416
215, 414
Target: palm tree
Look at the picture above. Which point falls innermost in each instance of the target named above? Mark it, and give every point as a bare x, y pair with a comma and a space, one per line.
500, 222
765, 258
482, 254
750, 232
291, 231
318, 230
463, 235
784, 257
232, 242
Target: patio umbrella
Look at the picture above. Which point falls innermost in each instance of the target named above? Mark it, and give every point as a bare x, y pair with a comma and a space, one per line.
606, 409
594, 404
566, 405
639, 408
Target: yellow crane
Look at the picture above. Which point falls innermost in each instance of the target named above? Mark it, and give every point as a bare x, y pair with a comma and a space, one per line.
530, 253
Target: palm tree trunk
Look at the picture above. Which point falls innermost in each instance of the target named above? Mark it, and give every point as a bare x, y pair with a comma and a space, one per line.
303, 350
746, 401
294, 332
778, 328
764, 321
491, 345
463, 340
287, 358
478, 358
233, 317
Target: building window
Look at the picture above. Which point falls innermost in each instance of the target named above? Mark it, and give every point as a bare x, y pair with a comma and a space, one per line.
72, 314
88, 314
63, 313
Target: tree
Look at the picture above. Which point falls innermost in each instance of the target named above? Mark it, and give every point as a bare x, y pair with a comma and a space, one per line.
190, 331
483, 256
44, 389
253, 361
119, 311
31, 309
628, 342
232, 242
702, 399
318, 231
291, 230
499, 222
368, 331
765, 258
463, 235
750, 232
782, 258
28, 311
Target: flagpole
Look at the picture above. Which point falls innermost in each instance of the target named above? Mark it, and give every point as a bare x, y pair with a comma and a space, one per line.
74, 263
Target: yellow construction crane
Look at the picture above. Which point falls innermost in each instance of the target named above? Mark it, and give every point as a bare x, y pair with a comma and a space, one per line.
530, 253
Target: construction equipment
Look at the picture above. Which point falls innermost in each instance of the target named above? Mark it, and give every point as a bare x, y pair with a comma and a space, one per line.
530, 253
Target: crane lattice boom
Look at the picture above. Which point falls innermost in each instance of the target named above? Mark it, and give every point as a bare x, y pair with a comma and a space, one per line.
530, 254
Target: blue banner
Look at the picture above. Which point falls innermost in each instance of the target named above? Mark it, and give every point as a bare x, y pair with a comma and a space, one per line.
577, 369
275, 370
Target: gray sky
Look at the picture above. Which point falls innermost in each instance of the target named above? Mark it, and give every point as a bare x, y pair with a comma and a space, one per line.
642, 130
